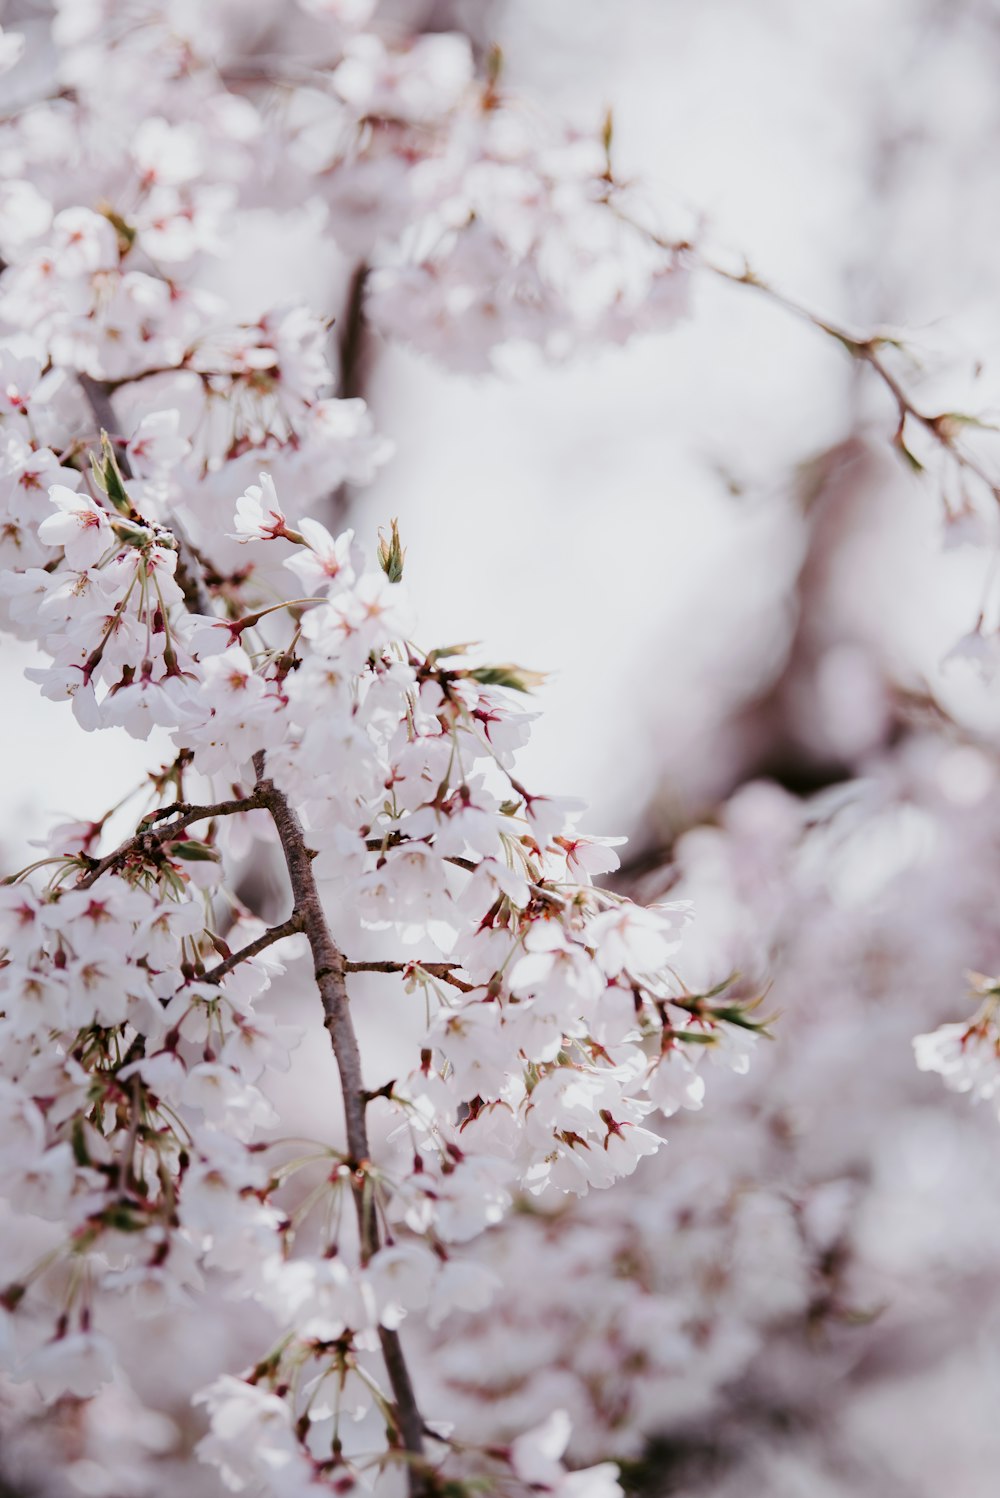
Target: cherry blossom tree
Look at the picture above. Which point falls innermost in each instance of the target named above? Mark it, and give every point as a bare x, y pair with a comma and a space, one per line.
420, 1280
171, 595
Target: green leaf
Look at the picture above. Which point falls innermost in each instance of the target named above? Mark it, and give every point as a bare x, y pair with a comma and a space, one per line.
195, 852
899, 442
508, 675
445, 652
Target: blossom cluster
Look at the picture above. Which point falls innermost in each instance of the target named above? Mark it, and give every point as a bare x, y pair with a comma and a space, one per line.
553, 1023
966, 1055
807, 1240
169, 451
163, 464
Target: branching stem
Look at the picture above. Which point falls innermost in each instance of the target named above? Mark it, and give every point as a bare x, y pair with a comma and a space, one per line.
150, 839
259, 944
330, 969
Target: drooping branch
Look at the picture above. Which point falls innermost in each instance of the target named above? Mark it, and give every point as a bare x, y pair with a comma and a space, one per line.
865, 348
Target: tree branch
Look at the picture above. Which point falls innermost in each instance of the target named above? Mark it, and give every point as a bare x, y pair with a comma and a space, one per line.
104, 414
150, 839
352, 349
400, 840
351, 346
330, 968
437, 969
865, 348
260, 944
443, 970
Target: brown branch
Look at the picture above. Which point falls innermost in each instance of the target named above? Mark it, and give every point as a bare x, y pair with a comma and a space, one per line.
443, 970
865, 348
330, 968
260, 944
104, 414
351, 347
150, 839
188, 574
438, 969
352, 368
400, 840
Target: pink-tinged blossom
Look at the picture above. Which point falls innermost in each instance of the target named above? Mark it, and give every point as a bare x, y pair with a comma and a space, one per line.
76, 1364
536, 1457
79, 526
250, 1434
674, 1083
323, 560
259, 516
165, 153
628, 938
226, 1100
424, 82
22, 1127
156, 445
142, 1104
966, 1056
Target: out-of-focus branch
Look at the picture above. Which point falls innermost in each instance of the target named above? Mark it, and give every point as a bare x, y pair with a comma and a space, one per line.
868, 349
352, 343
865, 348
352, 368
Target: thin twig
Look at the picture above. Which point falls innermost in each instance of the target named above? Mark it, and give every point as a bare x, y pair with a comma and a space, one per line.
260, 944
443, 970
437, 969
150, 839
865, 348
401, 840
